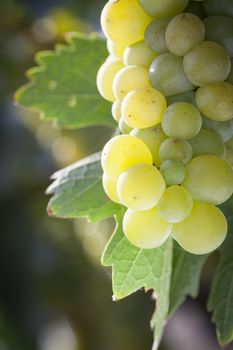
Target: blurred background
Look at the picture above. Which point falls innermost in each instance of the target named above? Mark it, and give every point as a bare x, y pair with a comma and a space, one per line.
54, 294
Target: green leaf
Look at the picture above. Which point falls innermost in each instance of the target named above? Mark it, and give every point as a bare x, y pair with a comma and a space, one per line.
135, 268
63, 87
221, 296
185, 276
78, 192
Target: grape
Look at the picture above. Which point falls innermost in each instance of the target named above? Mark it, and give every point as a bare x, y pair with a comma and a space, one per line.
173, 172
195, 7
230, 75
229, 143
138, 54
124, 21
165, 8
209, 179
187, 96
217, 7
130, 78
153, 137
224, 129
203, 231
143, 108
155, 35
229, 156
184, 32
116, 110
181, 120
175, 149
140, 187
123, 151
207, 63
175, 204
124, 128
208, 142
105, 77
146, 229
167, 75
110, 188
115, 49
220, 30
216, 101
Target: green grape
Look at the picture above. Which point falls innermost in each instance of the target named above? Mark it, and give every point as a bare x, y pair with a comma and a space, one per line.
208, 142
110, 188
184, 32
140, 187
209, 179
207, 63
175, 149
146, 229
123, 151
124, 128
215, 101
220, 30
116, 110
203, 231
175, 205
167, 75
230, 75
128, 79
217, 7
224, 129
143, 108
153, 137
115, 49
229, 156
187, 96
139, 54
105, 77
155, 35
173, 172
181, 120
165, 8
195, 7
124, 21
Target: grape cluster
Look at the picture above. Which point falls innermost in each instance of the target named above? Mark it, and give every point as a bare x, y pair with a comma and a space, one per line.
169, 77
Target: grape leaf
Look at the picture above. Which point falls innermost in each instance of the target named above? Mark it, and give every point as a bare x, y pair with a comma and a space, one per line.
221, 296
185, 279
63, 87
135, 268
78, 192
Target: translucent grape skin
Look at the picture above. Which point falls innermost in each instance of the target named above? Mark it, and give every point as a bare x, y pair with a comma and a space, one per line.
207, 63
146, 229
175, 149
223, 129
215, 101
114, 49
175, 205
155, 35
173, 172
123, 151
121, 17
143, 108
184, 32
140, 187
165, 8
110, 188
153, 137
208, 142
167, 75
116, 110
105, 77
202, 231
181, 120
139, 54
209, 179
130, 78
220, 29
124, 128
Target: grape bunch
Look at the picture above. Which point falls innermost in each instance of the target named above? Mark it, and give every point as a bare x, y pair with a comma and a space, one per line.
169, 77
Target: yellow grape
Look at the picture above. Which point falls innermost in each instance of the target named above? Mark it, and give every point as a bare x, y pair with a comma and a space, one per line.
123, 151
140, 187
116, 110
143, 108
115, 49
203, 231
139, 54
146, 229
110, 188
